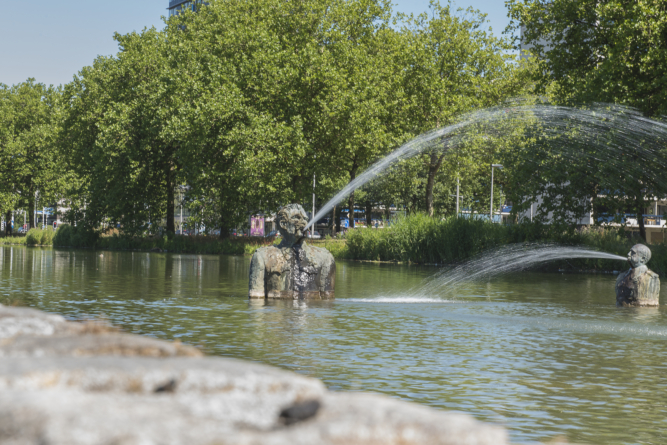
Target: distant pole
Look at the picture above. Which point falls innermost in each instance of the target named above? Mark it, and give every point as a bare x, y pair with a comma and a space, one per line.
312, 227
180, 197
492, 167
531, 212
457, 196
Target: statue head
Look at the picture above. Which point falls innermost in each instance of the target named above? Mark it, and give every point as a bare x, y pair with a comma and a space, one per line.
639, 255
292, 221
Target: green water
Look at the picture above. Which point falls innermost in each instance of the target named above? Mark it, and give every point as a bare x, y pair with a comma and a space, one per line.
543, 354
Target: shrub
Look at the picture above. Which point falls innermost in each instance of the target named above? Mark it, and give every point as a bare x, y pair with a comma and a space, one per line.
70, 236
422, 239
47, 237
34, 237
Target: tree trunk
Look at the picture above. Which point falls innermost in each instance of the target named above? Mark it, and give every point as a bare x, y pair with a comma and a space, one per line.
333, 222
434, 165
640, 216
369, 216
171, 225
336, 219
31, 210
224, 228
8, 223
353, 175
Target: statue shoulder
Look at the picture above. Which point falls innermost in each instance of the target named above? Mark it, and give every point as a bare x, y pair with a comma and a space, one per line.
265, 252
622, 275
652, 274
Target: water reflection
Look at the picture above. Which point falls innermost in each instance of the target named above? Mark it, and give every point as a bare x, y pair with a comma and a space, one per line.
543, 354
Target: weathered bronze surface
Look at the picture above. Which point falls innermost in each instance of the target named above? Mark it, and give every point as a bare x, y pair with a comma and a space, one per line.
293, 269
639, 286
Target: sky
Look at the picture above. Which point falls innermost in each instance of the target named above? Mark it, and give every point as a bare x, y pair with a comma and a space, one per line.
52, 40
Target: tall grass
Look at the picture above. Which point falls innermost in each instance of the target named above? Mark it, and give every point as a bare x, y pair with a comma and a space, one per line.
419, 238
13, 240
39, 237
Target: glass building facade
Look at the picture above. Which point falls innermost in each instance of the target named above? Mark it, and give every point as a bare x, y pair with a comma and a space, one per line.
175, 6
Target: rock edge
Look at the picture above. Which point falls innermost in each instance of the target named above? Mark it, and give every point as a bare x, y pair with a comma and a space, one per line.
80, 383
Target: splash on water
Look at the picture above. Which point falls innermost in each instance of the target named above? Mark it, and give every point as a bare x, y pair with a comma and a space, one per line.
632, 133
401, 300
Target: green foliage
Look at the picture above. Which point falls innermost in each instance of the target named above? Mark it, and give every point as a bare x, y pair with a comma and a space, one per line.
70, 236
454, 65
590, 50
40, 237
183, 244
13, 240
421, 239
117, 135
30, 161
337, 247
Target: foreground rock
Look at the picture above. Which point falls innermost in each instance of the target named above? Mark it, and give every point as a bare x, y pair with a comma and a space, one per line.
72, 383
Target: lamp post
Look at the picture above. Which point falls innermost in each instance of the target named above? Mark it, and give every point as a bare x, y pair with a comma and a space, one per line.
312, 228
492, 167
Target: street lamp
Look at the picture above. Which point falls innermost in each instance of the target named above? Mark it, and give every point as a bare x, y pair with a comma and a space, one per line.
492, 167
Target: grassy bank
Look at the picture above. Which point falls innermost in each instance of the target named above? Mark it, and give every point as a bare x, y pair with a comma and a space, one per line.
12, 241
416, 238
67, 236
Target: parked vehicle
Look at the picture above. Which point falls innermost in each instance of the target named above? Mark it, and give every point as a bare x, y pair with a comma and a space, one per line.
273, 234
314, 235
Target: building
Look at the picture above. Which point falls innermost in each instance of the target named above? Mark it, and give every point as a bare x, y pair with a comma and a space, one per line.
175, 6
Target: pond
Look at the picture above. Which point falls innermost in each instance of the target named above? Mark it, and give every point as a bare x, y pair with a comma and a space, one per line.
545, 355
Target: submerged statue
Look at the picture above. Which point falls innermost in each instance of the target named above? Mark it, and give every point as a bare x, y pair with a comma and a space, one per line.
293, 269
639, 286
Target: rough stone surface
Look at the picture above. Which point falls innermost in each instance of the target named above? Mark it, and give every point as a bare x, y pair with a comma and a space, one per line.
24, 321
86, 344
293, 269
639, 286
142, 392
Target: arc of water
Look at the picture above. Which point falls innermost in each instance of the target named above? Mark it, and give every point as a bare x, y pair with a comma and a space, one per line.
511, 258
598, 119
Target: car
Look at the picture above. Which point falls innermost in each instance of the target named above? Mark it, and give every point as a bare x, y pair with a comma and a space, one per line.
273, 234
314, 235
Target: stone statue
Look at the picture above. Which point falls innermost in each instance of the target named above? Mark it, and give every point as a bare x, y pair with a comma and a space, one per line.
639, 286
293, 269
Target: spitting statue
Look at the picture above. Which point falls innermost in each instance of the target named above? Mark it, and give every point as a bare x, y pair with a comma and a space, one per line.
639, 286
292, 270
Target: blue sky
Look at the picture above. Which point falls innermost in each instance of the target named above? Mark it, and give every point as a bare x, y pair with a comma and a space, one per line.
52, 40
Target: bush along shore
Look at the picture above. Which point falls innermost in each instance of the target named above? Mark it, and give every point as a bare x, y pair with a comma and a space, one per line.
419, 238
416, 238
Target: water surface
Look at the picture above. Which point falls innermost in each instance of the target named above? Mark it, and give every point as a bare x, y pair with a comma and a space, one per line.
543, 354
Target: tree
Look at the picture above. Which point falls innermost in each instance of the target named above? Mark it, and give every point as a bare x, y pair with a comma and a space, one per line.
590, 50
119, 135
275, 92
30, 162
452, 65
611, 51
